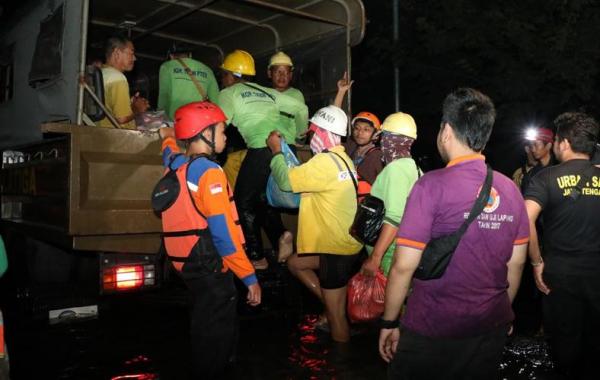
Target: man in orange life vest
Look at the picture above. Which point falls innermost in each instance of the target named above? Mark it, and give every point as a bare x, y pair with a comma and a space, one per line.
202, 235
362, 147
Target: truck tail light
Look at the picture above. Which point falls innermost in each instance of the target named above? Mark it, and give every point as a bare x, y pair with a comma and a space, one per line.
128, 277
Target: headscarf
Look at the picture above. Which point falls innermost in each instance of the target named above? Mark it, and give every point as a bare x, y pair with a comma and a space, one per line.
322, 139
395, 146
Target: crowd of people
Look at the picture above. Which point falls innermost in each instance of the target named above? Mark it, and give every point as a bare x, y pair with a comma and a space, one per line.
454, 326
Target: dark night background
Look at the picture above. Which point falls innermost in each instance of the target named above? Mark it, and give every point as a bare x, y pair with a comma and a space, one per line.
534, 58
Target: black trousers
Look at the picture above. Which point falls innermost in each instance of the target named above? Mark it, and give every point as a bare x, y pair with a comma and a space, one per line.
572, 323
214, 324
421, 357
251, 202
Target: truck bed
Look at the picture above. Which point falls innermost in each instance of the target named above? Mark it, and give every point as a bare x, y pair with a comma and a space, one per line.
85, 188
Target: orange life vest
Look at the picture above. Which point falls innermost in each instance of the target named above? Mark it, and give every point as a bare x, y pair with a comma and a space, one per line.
186, 236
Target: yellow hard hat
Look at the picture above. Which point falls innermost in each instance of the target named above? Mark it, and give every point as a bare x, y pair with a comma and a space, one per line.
239, 62
280, 59
400, 123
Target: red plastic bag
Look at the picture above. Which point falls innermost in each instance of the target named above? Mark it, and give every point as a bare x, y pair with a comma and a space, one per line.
366, 297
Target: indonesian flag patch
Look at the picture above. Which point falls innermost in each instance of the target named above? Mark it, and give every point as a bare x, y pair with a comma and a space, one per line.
215, 188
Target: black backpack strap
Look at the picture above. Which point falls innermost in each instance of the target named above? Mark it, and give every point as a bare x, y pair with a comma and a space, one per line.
188, 189
260, 89
354, 181
482, 199
288, 115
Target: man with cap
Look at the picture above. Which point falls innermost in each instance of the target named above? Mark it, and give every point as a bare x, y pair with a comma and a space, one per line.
392, 186
327, 207
182, 80
256, 111
539, 141
202, 237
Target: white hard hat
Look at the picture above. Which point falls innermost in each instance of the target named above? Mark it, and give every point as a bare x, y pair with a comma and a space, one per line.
332, 119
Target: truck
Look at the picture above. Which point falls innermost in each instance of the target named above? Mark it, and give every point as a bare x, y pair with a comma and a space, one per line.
75, 199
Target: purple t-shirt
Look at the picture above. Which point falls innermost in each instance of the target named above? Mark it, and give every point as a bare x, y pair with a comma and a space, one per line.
470, 298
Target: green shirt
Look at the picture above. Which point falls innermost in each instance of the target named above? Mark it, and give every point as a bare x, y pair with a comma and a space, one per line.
295, 93
392, 186
256, 111
176, 88
293, 127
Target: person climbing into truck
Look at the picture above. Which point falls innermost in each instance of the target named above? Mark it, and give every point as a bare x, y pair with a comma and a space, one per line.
327, 207
255, 111
202, 236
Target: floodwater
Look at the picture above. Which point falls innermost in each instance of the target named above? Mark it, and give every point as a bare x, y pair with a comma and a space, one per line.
144, 337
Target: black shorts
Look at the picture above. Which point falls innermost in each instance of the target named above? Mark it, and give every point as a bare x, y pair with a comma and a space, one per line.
336, 270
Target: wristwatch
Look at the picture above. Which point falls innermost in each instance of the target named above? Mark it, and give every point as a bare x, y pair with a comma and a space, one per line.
385, 324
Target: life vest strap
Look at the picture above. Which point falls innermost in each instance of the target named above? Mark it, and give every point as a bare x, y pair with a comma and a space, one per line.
196, 232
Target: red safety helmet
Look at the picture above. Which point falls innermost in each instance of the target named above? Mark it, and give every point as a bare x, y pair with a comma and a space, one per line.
195, 117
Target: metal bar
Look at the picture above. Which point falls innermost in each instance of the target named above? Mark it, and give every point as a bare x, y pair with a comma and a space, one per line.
232, 17
154, 12
173, 19
149, 56
396, 35
247, 21
348, 56
162, 35
294, 12
101, 105
263, 21
85, 7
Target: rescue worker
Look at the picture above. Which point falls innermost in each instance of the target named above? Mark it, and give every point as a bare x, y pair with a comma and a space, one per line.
327, 208
362, 147
281, 73
392, 186
182, 80
566, 271
539, 141
455, 327
529, 164
202, 238
255, 111
528, 302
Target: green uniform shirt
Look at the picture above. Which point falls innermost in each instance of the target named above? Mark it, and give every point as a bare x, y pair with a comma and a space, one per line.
256, 111
295, 93
176, 88
294, 127
392, 186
